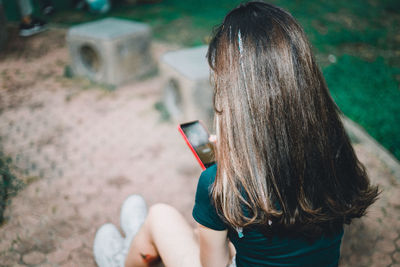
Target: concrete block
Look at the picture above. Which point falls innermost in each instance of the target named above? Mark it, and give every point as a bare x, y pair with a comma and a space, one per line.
188, 94
111, 51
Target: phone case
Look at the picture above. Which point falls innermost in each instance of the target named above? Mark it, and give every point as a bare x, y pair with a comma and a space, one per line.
190, 145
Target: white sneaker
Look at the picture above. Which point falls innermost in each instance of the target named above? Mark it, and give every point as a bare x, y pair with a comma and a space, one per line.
233, 263
133, 214
108, 247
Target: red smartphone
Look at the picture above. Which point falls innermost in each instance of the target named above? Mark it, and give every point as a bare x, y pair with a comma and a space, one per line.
197, 138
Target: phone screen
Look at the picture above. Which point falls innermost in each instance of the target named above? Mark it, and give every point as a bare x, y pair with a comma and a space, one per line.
198, 136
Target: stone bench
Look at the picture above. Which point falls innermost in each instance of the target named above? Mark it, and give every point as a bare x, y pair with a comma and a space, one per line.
111, 51
187, 94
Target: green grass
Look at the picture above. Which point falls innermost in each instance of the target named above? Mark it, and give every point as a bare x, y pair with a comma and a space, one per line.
9, 184
368, 94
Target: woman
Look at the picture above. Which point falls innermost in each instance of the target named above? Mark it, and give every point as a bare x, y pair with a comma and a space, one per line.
287, 177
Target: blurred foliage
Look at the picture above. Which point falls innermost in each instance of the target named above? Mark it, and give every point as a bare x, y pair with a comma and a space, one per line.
362, 38
9, 184
368, 94
328, 23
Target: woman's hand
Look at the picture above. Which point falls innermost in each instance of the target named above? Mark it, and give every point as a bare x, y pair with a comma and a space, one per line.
212, 138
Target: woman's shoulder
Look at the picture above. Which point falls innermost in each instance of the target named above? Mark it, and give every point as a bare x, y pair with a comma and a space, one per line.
204, 211
207, 177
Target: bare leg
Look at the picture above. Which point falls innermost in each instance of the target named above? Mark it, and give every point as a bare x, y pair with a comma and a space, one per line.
165, 234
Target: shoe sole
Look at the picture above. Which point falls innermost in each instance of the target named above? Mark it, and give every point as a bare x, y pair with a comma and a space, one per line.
30, 32
101, 240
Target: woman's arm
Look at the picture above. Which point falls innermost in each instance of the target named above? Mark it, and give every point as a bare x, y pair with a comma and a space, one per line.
214, 249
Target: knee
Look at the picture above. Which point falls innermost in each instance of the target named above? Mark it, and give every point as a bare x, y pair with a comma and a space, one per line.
160, 209
161, 212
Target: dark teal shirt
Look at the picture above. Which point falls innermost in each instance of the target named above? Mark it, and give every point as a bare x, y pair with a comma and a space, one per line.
254, 248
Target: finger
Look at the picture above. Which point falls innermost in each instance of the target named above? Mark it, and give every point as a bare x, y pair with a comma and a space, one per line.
212, 138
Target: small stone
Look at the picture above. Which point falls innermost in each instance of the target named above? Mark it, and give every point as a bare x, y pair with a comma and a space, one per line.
398, 243
58, 256
71, 244
354, 259
9, 259
392, 235
394, 200
69, 263
396, 256
385, 246
381, 259
33, 258
4, 245
392, 223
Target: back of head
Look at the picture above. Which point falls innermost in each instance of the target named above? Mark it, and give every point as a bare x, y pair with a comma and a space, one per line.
282, 151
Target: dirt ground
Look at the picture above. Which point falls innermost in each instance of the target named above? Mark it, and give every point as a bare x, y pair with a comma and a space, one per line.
82, 149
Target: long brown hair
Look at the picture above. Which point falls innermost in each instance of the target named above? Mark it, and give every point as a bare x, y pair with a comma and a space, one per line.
282, 152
